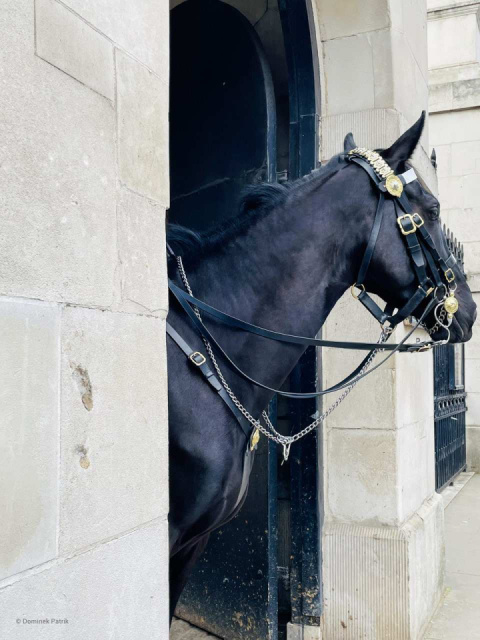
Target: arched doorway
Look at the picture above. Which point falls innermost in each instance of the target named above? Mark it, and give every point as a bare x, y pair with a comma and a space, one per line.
228, 129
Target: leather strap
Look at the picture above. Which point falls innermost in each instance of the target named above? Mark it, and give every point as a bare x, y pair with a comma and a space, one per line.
209, 376
230, 321
372, 241
205, 333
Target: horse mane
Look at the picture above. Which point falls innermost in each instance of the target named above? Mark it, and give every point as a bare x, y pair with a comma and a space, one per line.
256, 202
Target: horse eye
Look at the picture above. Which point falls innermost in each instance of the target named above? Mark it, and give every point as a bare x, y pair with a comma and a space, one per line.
435, 212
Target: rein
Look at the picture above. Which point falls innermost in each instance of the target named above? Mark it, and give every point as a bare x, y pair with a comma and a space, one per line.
434, 274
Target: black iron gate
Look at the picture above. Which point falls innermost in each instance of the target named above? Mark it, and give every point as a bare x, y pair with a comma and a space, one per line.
450, 401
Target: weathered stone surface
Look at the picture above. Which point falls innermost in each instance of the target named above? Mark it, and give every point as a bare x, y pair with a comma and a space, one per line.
141, 249
362, 476
444, 162
373, 128
466, 157
67, 42
398, 572
473, 403
452, 41
140, 27
29, 374
114, 425
57, 176
473, 448
465, 224
116, 590
349, 74
142, 103
415, 451
349, 18
447, 128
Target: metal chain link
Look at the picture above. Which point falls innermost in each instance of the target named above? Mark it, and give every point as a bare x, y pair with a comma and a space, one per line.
271, 432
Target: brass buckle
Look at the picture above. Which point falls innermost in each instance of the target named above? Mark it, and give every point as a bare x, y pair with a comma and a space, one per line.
418, 224
359, 286
449, 275
409, 217
197, 354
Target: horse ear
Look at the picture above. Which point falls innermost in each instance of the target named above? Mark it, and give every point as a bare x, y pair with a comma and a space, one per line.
349, 143
402, 149
433, 159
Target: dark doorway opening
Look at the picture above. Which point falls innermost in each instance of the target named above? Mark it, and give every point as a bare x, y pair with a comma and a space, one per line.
242, 111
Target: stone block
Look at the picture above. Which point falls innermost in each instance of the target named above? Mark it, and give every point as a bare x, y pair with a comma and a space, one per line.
116, 590
471, 191
416, 464
383, 582
440, 97
411, 88
303, 632
141, 248
472, 257
371, 405
361, 476
451, 192
473, 448
142, 103
412, 370
473, 402
452, 41
373, 128
67, 42
466, 94
447, 128
349, 18
381, 43
57, 176
465, 224
472, 374
141, 28
114, 425
349, 74
444, 161
29, 434
415, 30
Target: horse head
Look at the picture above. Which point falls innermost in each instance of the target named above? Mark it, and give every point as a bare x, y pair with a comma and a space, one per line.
391, 274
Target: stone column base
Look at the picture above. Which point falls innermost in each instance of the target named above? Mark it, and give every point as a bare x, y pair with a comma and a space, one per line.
383, 582
301, 632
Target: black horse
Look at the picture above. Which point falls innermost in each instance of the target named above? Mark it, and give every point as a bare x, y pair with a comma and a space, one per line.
282, 263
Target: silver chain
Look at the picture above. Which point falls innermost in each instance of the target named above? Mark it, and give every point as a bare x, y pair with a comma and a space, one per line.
271, 432
440, 323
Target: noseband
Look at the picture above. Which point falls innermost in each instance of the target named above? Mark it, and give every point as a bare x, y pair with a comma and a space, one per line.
434, 276
433, 273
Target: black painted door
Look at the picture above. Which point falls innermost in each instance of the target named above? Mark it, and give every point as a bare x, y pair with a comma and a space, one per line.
222, 119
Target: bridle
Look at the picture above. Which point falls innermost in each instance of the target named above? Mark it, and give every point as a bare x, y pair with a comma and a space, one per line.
433, 273
436, 285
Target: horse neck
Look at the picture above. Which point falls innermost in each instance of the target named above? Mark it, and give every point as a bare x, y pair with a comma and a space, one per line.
285, 273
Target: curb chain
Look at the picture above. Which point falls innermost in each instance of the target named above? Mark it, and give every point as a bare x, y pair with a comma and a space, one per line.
271, 432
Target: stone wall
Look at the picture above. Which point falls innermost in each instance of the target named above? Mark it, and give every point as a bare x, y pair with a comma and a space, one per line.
454, 61
83, 193
383, 533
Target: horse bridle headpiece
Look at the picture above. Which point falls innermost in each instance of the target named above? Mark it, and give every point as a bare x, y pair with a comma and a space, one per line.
434, 274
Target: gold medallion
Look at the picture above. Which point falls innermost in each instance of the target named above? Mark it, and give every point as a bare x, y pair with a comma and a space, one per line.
394, 185
255, 439
451, 304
